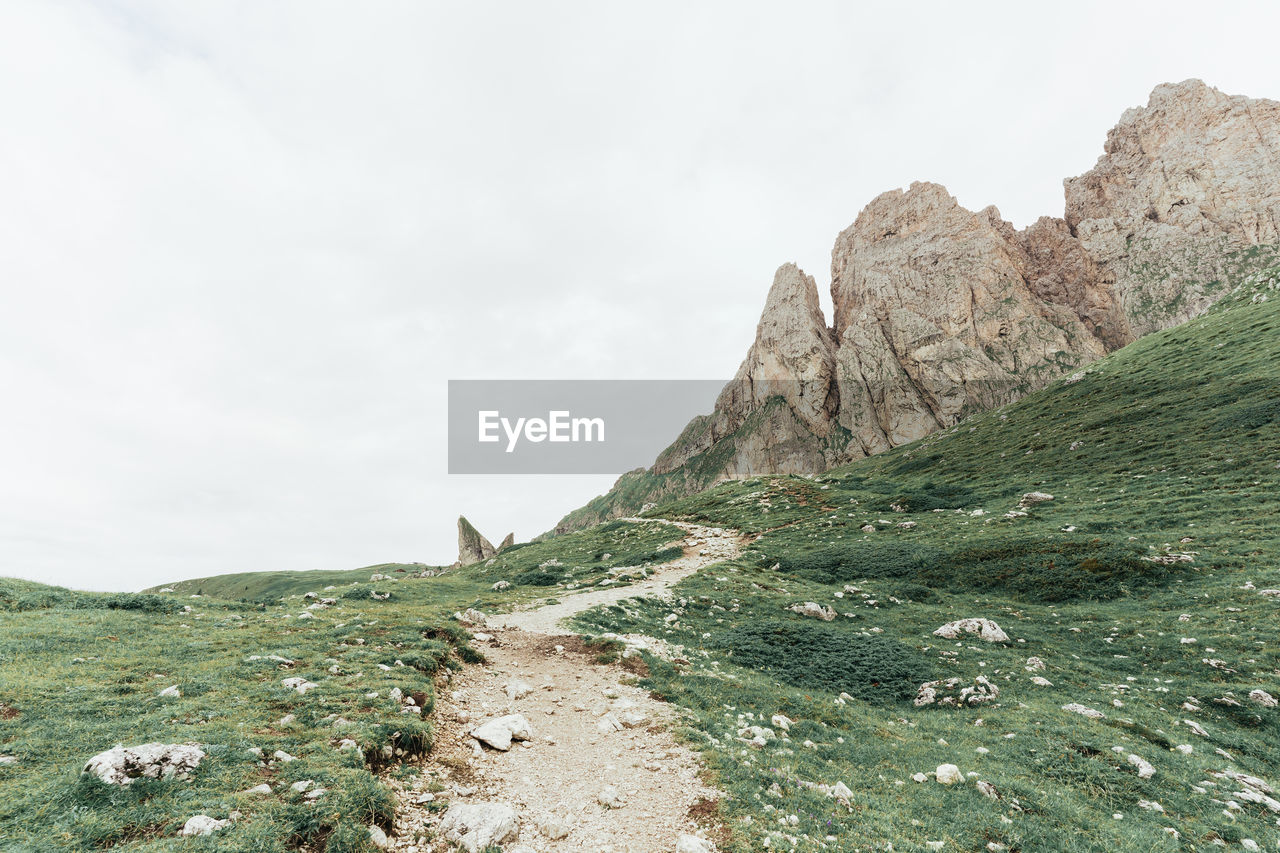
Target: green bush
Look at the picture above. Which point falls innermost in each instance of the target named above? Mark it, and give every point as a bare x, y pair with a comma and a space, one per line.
843, 563
821, 656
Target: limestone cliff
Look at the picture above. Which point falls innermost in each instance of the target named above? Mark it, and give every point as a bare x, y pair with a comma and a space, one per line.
941, 312
472, 547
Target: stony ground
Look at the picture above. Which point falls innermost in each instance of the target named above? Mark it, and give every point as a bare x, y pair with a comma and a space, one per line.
602, 771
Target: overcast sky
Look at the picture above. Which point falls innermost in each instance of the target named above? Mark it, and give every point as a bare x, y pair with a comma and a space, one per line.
244, 245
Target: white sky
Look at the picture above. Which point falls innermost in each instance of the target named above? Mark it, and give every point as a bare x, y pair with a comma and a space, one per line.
246, 244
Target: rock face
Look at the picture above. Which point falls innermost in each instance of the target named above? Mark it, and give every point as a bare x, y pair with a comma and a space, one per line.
1187, 190
941, 312
472, 547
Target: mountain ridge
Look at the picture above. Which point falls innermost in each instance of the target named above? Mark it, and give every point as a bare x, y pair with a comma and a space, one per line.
940, 312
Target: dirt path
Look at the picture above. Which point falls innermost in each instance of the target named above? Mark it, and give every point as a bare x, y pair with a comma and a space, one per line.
592, 735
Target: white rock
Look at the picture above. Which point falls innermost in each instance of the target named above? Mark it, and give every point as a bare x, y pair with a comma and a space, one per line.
1077, 708
517, 689
202, 824
477, 826
1034, 664
1263, 698
610, 798
1145, 770
949, 774
813, 610
1030, 499
555, 828
301, 685
121, 765
693, 844
258, 790
281, 755
984, 628
1041, 681
378, 837
171, 692
500, 732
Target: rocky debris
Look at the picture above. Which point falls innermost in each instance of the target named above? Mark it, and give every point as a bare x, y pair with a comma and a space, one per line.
300, 685
471, 616
501, 585
1034, 664
948, 774
500, 732
987, 790
121, 765
814, 611
610, 798
1031, 499
555, 828
957, 692
478, 826
1263, 698
202, 824
693, 844
1077, 708
472, 547
984, 628
1145, 770
517, 689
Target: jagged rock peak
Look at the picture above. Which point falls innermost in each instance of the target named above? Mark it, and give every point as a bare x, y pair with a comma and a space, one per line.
507, 542
1186, 186
472, 547
793, 357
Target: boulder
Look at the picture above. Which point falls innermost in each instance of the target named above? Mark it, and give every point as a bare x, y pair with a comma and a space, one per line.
121, 765
949, 774
814, 611
202, 824
500, 732
478, 826
984, 628
693, 844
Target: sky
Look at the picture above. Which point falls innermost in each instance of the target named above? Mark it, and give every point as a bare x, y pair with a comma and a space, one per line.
246, 244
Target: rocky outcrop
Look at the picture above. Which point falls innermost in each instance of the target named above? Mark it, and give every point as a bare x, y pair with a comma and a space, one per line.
941, 312
507, 542
472, 547
1188, 189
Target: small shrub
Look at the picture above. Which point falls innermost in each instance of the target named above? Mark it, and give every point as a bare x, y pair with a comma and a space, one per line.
876, 669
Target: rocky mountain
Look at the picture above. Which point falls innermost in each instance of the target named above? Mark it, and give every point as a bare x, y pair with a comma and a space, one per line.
472, 546
941, 312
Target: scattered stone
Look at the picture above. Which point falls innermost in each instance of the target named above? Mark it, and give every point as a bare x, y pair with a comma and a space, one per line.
378, 837
478, 826
957, 692
1077, 708
1034, 664
301, 685
1041, 681
1263, 698
610, 798
988, 790
555, 828
949, 774
1030, 499
471, 616
202, 824
171, 692
1145, 770
501, 585
517, 689
693, 844
121, 765
984, 628
500, 732
813, 610
258, 790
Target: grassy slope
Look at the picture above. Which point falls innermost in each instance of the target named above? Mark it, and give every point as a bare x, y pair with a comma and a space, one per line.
81, 672
1176, 437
